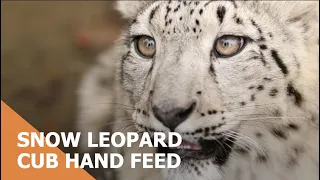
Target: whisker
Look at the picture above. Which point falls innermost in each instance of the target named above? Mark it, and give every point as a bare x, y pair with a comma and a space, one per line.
257, 145
235, 142
117, 122
251, 106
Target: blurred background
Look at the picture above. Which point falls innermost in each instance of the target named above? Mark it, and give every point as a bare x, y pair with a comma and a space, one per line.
45, 48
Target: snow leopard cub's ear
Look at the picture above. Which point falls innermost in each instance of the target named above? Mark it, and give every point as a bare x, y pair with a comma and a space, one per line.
300, 15
296, 11
292, 10
129, 9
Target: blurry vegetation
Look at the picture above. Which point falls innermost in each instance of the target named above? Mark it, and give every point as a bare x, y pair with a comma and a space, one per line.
45, 48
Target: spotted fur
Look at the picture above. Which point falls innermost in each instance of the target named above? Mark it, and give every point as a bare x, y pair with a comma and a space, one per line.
264, 100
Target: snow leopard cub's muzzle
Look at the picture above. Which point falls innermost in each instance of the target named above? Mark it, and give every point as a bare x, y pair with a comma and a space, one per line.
176, 114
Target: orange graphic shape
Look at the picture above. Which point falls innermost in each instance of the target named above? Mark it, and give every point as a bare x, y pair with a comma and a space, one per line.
11, 125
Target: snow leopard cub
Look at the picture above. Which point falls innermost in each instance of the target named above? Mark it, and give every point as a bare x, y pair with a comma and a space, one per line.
237, 79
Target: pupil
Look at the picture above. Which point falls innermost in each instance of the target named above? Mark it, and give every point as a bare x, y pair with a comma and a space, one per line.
148, 43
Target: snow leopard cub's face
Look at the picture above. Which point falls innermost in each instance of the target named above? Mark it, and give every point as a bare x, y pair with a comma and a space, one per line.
222, 74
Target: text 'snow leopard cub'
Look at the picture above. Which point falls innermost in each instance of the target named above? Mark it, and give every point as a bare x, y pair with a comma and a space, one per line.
238, 80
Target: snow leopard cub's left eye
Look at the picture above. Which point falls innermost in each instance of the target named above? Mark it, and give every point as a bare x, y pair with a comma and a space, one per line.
229, 45
145, 46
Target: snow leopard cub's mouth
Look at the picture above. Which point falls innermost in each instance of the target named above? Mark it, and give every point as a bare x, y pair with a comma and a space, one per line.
218, 149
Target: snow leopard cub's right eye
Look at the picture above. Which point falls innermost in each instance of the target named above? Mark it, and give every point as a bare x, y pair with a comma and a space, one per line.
145, 46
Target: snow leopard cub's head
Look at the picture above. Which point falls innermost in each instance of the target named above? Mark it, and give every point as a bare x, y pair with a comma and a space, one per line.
221, 73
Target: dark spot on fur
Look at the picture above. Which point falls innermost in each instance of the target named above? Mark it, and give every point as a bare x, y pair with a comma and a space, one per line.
199, 92
292, 161
277, 113
177, 8
180, 18
258, 134
262, 158
293, 126
243, 103
194, 30
221, 12
279, 62
261, 39
223, 118
209, 112
251, 87
260, 87
214, 111
152, 13
273, 92
196, 168
202, 114
256, 25
270, 35
253, 98
267, 79
199, 131
279, 133
211, 69
291, 91
262, 59
238, 21
151, 92
298, 150
234, 4
202, 165
200, 11
294, 19
191, 12
263, 47
197, 22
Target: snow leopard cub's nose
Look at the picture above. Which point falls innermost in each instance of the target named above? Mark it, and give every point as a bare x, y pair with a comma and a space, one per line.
170, 115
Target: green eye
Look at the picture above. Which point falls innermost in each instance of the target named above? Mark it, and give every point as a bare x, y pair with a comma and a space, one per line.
228, 45
145, 46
